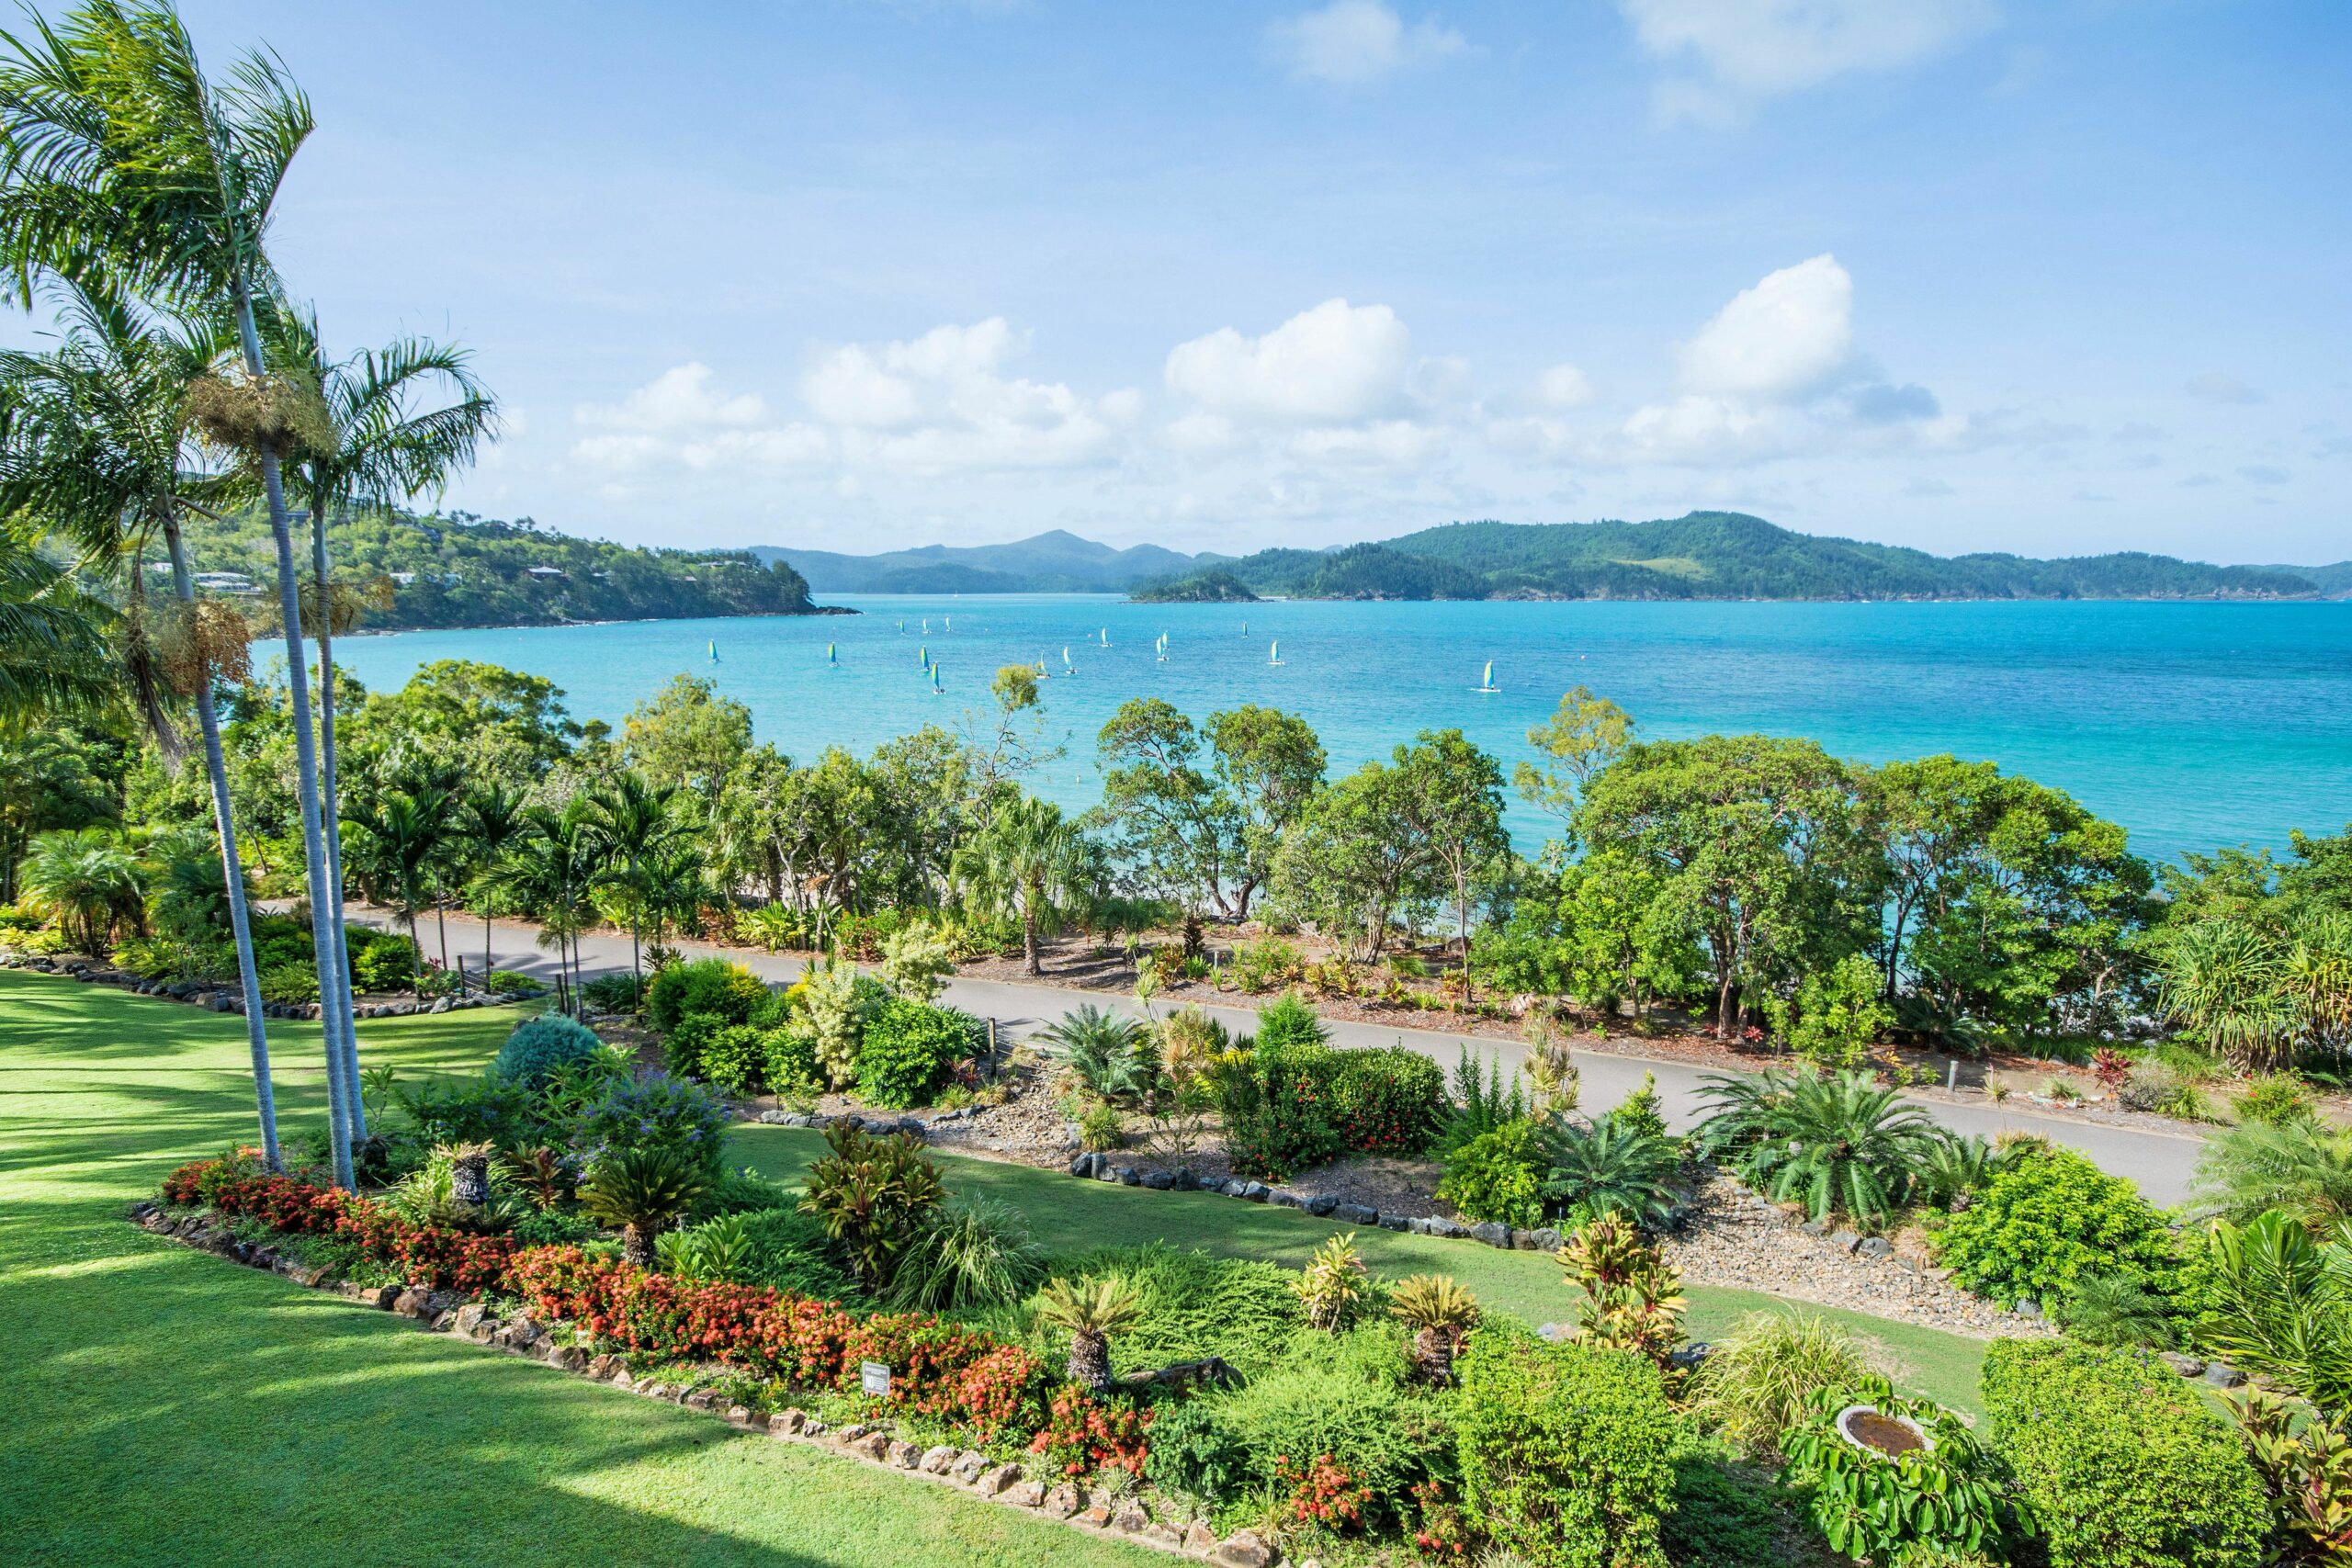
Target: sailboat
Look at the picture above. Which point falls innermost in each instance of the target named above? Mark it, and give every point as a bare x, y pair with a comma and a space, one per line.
1106, 637
947, 623
902, 628
936, 687
923, 656
1067, 668
829, 659
1160, 648
713, 651
1275, 652
1486, 681
926, 626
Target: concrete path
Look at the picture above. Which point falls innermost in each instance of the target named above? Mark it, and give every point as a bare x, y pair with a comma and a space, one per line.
2161, 1162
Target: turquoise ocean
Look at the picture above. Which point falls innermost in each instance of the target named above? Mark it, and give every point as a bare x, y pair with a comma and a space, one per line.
2194, 725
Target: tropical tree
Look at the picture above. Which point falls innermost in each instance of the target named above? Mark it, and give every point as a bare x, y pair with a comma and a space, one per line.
1585, 734
1454, 806
635, 821
553, 871
45, 783
95, 439
494, 822
120, 158
373, 449
86, 881
53, 655
642, 1191
406, 832
2225, 980
1030, 865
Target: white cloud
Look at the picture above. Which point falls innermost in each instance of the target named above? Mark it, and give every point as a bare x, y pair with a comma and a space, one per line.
677, 399
1788, 336
1561, 389
1355, 42
1755, 48
1335, 364
1388, 443
2220, 386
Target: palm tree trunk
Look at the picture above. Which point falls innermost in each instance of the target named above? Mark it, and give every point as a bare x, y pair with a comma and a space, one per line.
637, 1245
306, 765
225, 821
489, 908
416, 957
330, 817
1029, 941
1089, 1360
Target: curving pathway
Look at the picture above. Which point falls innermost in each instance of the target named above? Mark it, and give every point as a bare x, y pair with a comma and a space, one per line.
2161, 1162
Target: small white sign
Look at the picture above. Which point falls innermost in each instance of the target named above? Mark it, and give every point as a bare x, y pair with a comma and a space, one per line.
874, 1377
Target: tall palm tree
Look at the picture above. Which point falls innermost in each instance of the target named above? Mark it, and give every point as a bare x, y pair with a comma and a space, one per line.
405, 833
93, 437
120, 158
495, 821
1029, 863
52, 656
636, 820
382, 451
553, 872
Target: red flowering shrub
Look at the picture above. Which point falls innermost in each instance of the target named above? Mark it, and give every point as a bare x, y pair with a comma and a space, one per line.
1082, 1434
938, 1369
1323, 1493
1444, 1529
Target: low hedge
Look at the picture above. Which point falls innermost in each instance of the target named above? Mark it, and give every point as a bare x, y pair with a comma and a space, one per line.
908, 1049
725, 989
2047, 1218
444, 1259
2119, 1464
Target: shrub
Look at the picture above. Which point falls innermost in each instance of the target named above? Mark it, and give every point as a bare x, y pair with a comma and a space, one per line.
1287, 1022
909, 1049
542, 1046
2302, 1167
2157, 1089
1333, 1282
2120, 1463
1835, 1017
1499, 1176
1268, 962
1344, 1402
655, 1111
381, 962
1100, 1130
978, 1253
688, 1041
612, 993
2048, 1217
788, 1060
1276, 1104
1480, 1105
724, 989
1901, 1507
1566, 1454
1195, 1306
484, 1109
786, 1249
1756, 1382
1642, 1110
1722, 1519
291, 983
508, 982
736, 1058
1387, 1100
1194, 1454
2276, 1098
874, 1197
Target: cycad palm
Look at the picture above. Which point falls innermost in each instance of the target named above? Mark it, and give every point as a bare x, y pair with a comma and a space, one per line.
641, 1192
97, 441
120, 158
1105, 1051
85, 881
1029, 863
1614, 1169
1091, 1311
1838, 1144
2303, 1167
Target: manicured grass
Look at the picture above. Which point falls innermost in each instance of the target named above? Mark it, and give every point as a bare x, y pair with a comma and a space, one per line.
164, 1406
1070, 1214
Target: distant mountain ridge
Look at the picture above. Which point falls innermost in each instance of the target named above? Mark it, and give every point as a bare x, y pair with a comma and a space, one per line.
1714, 555
1053, 563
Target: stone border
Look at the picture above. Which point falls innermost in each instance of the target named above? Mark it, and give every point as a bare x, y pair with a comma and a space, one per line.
221, 998
967, 1470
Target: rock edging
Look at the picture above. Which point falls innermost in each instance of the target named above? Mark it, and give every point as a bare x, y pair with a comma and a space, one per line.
221, 998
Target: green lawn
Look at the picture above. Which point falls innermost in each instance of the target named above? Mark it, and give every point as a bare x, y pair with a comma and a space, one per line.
164, 1406
1070, 1214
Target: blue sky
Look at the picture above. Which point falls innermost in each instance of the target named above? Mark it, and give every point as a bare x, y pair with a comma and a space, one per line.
2054, 277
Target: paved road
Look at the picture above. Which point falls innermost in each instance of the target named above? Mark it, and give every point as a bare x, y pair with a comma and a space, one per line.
2161, 1162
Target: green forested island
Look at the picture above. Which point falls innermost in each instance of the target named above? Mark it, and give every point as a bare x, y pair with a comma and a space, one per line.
465, 570
1709, 555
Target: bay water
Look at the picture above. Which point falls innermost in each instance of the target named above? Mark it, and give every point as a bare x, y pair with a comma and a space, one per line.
2194, 725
